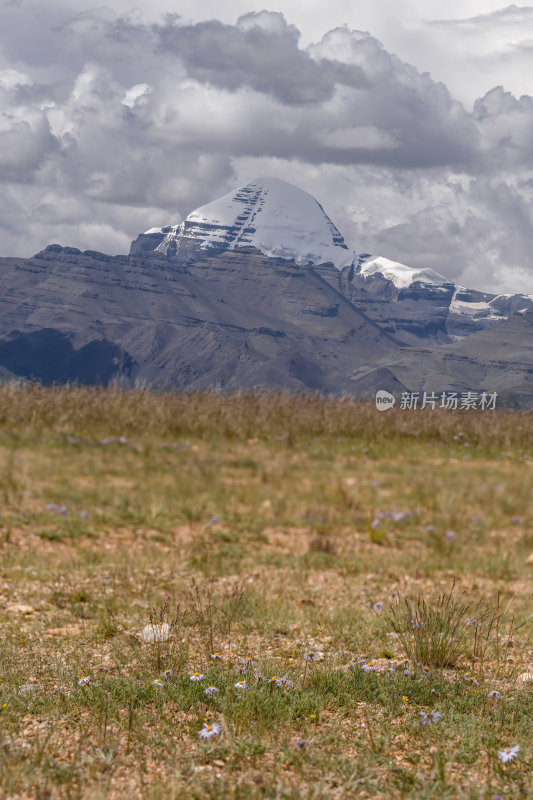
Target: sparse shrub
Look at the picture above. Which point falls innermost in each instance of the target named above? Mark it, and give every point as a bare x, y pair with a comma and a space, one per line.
212, 617
443, 633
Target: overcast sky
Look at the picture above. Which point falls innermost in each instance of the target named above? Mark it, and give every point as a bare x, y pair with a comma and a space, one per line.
411, 121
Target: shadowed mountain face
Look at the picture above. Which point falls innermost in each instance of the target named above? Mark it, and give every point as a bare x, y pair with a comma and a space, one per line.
49, 356
232, 320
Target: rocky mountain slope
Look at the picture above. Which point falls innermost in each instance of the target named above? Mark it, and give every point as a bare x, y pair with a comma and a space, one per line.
232, 320
497, 359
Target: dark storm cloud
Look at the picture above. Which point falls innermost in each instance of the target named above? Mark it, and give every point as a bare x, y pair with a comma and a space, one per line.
417, 123
266, 60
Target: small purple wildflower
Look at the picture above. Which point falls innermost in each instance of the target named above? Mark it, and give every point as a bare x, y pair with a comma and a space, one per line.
285, 682
312, 655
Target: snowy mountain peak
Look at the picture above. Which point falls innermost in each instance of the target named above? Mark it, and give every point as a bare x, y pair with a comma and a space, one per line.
399, 274
269, 214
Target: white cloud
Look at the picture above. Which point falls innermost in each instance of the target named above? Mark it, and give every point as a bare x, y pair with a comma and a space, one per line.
137, 94
12, 79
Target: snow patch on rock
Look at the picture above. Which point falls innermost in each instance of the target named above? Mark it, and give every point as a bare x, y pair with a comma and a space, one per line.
401, 275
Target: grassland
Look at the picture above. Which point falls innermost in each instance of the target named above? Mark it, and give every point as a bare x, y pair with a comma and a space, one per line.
378, 564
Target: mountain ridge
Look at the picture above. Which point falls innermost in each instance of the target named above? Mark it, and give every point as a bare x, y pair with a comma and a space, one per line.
205, 307
291, 224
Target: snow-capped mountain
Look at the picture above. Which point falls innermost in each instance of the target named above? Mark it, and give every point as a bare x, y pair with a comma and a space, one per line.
257, 289
282, 221
268, 214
